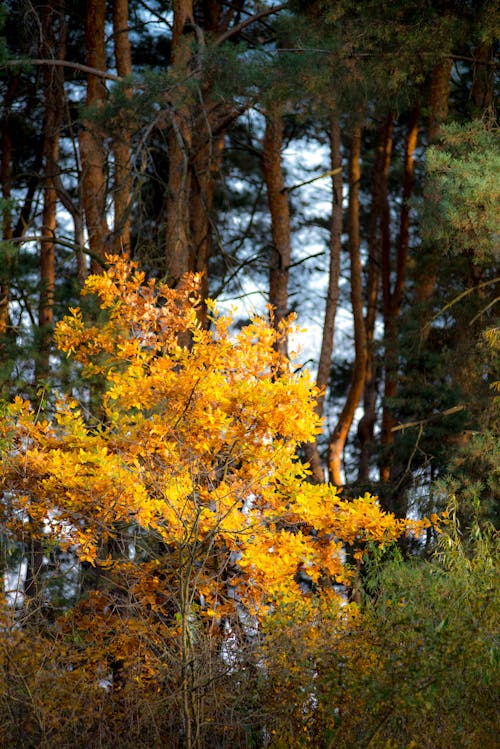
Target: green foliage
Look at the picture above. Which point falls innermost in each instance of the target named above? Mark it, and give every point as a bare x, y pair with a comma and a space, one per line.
419, 666
463, 206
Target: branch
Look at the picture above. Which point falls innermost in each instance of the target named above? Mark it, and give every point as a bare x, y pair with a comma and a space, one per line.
434, 417
64, 64
330, 173
62, 242
248, 21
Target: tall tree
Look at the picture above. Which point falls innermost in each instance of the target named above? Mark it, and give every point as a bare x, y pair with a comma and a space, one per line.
122, 140
339, 436
277, 197
332, 293
91, 138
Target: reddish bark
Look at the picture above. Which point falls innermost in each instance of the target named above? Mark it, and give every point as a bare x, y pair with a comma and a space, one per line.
378, 244
90, 139
277, 199
121, 142
178, 233
438, 112
54, 107
483, 83
332, 295
205, 169
393, 301
6, 185
341, 431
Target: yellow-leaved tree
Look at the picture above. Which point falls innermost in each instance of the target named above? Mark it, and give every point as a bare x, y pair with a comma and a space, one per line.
186, 509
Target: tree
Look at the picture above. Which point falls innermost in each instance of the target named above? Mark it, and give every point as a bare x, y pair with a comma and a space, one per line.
186, 492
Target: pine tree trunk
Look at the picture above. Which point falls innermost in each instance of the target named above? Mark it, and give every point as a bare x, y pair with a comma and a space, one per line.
53, 79
379, 234
205, 168
54, 108
429, 261
332, 295
121, 141
91, 140
341, 431
277, 198
178, 233
7, 232
392, 312
483, 81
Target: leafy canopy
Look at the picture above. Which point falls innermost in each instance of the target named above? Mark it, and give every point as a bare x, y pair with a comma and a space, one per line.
195, 448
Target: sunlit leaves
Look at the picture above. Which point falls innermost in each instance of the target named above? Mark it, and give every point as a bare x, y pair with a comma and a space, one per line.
195, 444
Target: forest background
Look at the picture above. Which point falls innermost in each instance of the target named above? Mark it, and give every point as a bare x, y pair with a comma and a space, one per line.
198, 546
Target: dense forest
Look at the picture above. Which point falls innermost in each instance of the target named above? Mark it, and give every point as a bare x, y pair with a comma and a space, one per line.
249, 349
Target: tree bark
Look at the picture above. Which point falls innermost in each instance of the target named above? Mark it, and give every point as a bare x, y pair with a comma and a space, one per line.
379, 235
121, 142
90, 139
341, 431
277, 199
483, 82
206, 164
332, 295
52, 19
392, 309
54, 107
7, 231
178, 233
427, 270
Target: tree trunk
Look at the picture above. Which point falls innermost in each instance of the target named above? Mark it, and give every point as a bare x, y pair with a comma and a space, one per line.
54, 108
178, 233
205, 168
483, 83
341, 431
91, 140
332, 295
53, 79
427, 270
277, 198
7, 232
392, 310
379, 235
121, 142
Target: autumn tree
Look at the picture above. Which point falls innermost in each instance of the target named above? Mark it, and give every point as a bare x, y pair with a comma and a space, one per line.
192, 473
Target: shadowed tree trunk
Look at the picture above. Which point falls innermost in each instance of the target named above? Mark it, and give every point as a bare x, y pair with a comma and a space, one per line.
277, 199
54, 108
206, 166
121, 141
341, 431
7, 229
393, 301
332, 294
90, 139
483, 83
428, 264
53, 45
379, 234
178, 234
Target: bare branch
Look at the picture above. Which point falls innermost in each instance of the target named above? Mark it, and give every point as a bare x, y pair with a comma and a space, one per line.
63, 64
248, 21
